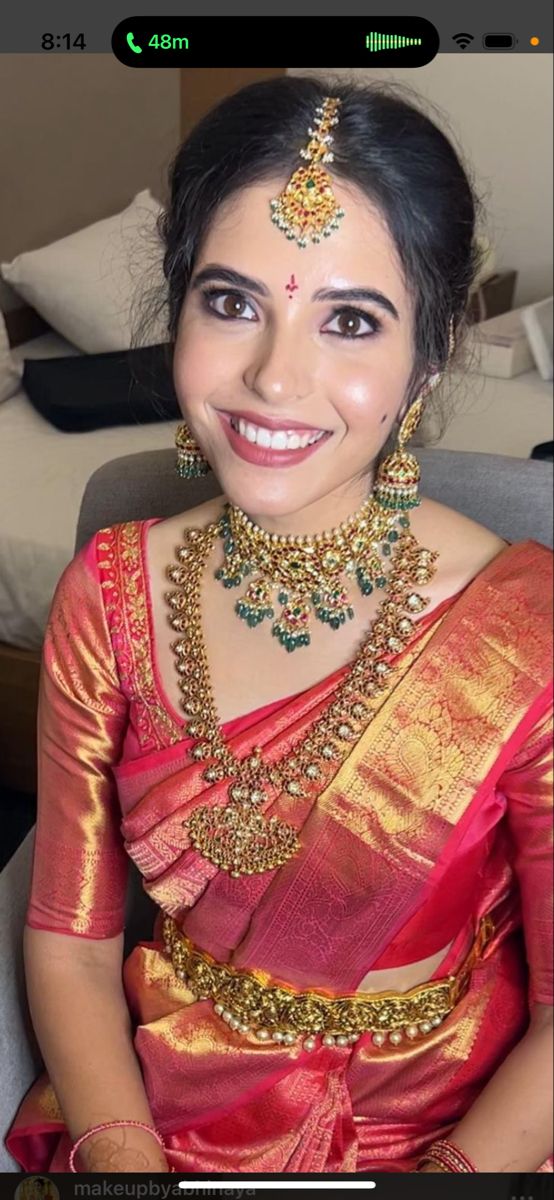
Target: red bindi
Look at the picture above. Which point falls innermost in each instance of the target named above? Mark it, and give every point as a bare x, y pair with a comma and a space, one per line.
291, 287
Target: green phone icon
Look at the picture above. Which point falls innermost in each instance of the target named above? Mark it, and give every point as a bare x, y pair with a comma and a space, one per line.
131, 44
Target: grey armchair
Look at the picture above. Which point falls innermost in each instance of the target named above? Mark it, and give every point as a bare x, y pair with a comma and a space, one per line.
511, 496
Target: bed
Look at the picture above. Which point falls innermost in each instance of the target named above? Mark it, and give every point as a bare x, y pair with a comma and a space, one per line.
42, 480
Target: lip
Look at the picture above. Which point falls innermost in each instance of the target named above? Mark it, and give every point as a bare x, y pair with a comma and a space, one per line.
272, 423
259, 455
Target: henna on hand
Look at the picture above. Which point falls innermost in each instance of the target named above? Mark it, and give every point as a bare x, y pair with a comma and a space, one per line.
122, 1150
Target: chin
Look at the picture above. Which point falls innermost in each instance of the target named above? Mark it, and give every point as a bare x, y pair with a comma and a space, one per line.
274, 501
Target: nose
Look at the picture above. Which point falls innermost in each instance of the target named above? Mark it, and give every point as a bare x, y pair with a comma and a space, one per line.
279, 371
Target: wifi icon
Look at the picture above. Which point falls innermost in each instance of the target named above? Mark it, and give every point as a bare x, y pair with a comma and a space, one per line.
462, 39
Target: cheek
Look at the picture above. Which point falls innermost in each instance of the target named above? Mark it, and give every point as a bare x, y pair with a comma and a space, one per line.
365, 399
197, 369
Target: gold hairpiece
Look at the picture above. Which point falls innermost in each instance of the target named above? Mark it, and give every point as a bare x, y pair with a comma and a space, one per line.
307, 209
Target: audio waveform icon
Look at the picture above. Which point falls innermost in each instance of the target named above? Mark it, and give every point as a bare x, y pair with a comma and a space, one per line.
389, 41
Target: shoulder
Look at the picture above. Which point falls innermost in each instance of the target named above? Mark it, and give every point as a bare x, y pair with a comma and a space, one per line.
523, 580
465, 547
163, 534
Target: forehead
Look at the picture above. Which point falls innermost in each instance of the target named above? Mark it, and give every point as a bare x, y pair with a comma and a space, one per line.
362, 250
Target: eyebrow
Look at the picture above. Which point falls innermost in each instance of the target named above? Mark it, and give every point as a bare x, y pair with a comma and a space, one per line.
235, 279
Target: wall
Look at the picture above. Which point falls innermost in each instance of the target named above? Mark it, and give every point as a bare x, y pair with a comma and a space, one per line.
498, 109
79, 136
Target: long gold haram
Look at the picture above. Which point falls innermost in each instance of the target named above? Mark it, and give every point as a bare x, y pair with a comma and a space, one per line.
237, 837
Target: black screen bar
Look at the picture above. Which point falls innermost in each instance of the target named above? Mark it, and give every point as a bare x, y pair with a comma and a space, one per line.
276, 41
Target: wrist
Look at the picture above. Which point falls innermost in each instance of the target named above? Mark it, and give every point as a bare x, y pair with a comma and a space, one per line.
444, 1155
120, 1148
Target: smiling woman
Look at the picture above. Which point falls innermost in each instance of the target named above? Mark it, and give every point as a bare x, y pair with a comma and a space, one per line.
340, 802
334, 361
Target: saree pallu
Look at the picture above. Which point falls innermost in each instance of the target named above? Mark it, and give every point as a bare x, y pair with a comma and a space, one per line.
439, 815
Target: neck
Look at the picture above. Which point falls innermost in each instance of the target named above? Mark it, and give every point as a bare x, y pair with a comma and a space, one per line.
321, 516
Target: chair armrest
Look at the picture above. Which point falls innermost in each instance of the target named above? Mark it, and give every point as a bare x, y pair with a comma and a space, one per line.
19, 1052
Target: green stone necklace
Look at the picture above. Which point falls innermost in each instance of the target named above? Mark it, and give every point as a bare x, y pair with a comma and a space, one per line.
306, 572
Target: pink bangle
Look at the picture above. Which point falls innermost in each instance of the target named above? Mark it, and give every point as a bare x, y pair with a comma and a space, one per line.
447, 1155
109, 1125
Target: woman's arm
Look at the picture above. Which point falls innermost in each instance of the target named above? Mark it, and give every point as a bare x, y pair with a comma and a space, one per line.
509, 1127
83, 1027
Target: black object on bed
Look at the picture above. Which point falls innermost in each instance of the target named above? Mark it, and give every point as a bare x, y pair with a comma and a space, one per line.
96, 391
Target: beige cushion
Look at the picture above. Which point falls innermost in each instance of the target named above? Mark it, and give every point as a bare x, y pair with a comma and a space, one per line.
87, 285
10, 372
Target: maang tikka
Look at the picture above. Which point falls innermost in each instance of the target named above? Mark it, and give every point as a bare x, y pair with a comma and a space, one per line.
306, 210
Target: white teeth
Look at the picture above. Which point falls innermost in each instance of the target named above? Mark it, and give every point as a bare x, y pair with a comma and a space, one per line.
278, 440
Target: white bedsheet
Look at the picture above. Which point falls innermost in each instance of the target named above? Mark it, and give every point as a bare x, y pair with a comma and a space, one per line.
43, 474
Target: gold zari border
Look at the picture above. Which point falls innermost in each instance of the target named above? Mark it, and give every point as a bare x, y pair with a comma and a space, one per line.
248, 1002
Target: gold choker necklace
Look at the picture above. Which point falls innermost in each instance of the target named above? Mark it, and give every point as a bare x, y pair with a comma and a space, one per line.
237, 837
305, 571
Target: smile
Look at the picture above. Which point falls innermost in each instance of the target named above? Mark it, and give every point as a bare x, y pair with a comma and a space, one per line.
270, 448
277, 439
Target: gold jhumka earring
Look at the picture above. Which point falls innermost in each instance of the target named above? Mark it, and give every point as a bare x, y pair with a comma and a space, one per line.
397, 478
190, 460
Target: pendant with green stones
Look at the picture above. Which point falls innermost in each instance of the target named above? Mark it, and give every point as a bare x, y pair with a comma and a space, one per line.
255, 605
231, 577
291, 630
365, 581
332, 606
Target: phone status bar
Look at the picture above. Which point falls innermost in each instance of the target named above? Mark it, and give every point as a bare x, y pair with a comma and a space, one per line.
297, 41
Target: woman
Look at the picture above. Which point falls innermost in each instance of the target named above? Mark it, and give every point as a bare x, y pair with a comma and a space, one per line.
336, 779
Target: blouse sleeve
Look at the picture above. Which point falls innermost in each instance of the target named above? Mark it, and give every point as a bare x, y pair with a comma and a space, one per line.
527, 786
80, 867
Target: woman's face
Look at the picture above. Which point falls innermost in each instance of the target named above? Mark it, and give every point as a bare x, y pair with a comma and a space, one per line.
273, 344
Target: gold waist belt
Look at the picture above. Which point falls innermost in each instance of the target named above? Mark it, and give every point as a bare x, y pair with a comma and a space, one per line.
251, 1004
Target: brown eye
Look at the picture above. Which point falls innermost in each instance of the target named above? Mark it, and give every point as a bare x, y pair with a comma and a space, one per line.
232, 305
353, 325
228, 306
349, 324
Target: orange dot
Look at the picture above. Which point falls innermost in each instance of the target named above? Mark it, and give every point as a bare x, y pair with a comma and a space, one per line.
534, 41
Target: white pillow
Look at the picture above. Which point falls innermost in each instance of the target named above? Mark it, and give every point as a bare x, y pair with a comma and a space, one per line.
87, 285
10, 371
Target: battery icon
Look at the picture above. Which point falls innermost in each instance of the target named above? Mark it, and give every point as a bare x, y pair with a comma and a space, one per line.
499, 41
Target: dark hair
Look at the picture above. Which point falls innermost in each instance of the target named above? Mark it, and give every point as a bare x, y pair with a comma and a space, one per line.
386, 145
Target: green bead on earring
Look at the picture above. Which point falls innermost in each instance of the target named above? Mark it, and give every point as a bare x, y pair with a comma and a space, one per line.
190, 460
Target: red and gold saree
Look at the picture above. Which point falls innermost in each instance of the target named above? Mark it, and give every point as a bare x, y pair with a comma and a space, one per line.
440, 815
